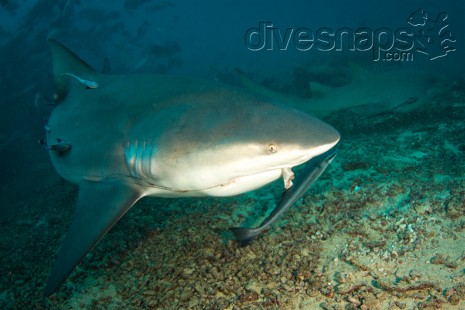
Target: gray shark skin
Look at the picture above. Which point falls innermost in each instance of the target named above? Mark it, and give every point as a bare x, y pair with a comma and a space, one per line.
123, 137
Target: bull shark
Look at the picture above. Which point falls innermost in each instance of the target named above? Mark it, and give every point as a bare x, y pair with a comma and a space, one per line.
123, 137
371, 92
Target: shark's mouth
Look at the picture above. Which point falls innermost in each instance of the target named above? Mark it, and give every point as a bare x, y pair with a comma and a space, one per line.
287, 174
237, 185
254, 181
257, 178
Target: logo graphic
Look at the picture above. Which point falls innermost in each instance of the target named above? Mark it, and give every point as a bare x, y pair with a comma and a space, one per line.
421, 34
433, 36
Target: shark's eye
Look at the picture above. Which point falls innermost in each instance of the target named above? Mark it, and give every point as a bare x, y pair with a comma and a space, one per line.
272, 148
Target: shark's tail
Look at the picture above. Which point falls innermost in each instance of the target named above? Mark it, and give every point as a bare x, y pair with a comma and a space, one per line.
66, 64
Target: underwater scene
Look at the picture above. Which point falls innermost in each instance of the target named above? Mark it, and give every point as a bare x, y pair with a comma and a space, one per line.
173, 154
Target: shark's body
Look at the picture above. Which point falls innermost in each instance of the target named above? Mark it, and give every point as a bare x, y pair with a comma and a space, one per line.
123, 137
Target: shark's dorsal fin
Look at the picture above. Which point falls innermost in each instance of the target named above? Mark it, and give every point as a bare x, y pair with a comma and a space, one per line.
66, 63
100, 205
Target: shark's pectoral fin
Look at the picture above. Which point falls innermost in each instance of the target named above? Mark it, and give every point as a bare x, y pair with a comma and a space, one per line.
100, 205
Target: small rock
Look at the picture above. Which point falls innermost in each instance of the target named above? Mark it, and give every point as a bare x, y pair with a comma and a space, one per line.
188, 271
251, 255
272, 285
219, 295
254, 286
193, 302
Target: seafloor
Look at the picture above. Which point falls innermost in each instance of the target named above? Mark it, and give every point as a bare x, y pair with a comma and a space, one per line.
384, 228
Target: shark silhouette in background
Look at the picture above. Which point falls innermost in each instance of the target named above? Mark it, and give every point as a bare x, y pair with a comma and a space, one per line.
123, 137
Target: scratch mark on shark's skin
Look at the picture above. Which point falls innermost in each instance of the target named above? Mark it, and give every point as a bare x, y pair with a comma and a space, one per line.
86, 83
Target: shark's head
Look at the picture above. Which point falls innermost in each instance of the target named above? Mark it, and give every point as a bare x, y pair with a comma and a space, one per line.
234, 149
285, 139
